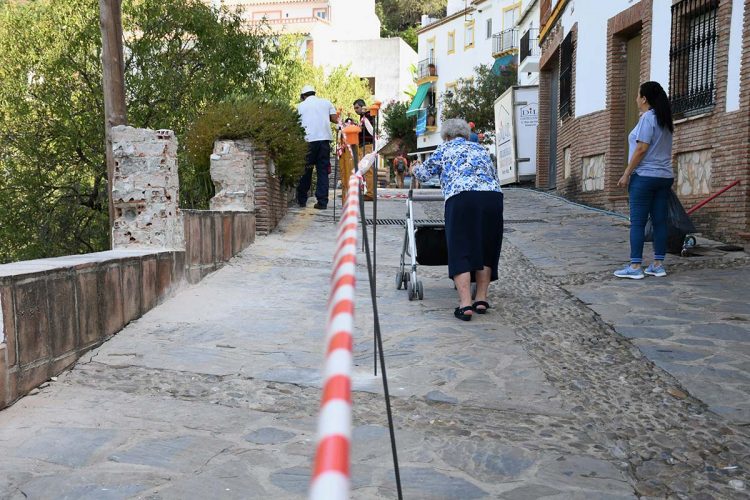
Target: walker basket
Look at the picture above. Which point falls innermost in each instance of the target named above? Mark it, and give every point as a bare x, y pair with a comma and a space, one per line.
432, 248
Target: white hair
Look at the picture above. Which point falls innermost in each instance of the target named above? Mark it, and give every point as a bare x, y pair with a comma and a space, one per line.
453, 128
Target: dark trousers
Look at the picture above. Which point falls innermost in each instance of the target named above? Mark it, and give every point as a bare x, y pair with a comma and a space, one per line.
319, 156
648, 195
474, 231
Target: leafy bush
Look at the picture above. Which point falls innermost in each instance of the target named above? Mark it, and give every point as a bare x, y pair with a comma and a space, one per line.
271, 125
474, 99
400, 126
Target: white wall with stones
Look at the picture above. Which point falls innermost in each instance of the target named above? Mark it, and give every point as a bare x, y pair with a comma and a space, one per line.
146, 189
593, 173
232, 175
694, 173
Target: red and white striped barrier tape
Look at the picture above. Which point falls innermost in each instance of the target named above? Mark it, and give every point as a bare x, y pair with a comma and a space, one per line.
330, 477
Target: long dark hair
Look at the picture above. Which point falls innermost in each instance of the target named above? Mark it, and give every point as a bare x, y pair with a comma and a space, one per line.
659, 102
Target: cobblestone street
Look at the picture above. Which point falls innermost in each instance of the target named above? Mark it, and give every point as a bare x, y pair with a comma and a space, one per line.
574, 385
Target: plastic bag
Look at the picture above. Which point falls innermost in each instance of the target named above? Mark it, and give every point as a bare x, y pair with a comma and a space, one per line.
678, 225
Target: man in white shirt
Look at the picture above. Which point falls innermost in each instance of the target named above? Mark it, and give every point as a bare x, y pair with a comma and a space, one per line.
315, 115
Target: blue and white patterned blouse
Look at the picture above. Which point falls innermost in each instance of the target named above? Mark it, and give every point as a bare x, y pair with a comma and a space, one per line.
462, 166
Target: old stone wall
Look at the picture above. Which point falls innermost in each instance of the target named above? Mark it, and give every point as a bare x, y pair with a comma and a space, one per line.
213, 238
232, 174
146, 189
54, 310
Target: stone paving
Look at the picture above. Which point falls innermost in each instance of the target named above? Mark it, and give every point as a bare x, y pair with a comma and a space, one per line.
215, 392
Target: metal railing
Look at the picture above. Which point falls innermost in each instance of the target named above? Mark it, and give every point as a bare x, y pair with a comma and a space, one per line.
692, 56
426, 67
505, 41
529, 45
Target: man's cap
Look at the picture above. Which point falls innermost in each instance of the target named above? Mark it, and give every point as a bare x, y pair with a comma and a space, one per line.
307, 89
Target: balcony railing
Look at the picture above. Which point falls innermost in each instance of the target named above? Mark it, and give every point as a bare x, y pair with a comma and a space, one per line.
529, 44
505, 41
426, 67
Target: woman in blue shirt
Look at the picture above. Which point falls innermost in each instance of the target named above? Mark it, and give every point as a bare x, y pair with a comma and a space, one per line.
648, 179
473, 213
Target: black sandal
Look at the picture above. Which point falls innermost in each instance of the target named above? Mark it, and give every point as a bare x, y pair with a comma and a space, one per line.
460, 313
480, 303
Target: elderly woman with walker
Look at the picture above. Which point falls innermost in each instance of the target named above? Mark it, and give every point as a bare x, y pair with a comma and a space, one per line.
473, 213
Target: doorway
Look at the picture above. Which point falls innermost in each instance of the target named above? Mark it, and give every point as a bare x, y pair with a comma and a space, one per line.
632, 84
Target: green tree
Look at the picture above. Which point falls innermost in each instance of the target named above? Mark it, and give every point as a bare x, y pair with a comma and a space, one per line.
338, 85
474, 99
400, 126
180, 56
401, 18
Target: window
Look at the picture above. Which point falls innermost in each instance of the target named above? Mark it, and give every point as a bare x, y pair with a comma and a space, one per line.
511, 15
566, 76
320, 13
370, 82
451, 42
431, 49
450, 87
489, 28
693, 56
469, 35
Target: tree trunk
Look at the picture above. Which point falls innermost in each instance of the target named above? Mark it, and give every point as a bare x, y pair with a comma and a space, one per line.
113, 69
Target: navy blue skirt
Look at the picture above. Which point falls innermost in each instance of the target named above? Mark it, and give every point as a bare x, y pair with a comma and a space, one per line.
474, 231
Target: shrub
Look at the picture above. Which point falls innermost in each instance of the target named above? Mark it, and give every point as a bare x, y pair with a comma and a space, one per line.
271, 125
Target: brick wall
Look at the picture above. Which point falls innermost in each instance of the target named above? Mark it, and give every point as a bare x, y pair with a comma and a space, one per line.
213, 238
271, 199
727, 136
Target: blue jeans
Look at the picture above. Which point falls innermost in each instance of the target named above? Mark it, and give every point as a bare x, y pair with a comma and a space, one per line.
648, 195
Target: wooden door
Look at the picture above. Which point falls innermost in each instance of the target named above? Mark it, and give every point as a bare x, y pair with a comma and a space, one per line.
632, 84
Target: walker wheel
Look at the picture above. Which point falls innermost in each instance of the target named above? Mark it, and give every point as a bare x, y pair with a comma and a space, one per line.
410, 291
399, 280
420, 290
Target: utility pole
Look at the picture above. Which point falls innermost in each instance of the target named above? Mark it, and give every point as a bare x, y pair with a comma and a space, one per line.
113, 69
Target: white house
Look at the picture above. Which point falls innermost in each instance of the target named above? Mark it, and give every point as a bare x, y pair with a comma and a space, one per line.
527, 26
472, 33
338, 33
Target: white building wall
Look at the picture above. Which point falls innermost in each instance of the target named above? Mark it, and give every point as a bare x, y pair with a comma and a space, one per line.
455, 6
736, 31
388, 60
591, 56
661, 34
460, 64
591, 49
354, 20
529, 19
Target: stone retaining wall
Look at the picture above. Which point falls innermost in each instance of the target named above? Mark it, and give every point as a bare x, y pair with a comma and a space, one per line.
213, 238
54, 310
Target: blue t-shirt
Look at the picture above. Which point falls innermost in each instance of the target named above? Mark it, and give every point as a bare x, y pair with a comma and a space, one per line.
658, 159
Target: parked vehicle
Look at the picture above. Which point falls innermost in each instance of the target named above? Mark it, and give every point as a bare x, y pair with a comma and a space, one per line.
516, 121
